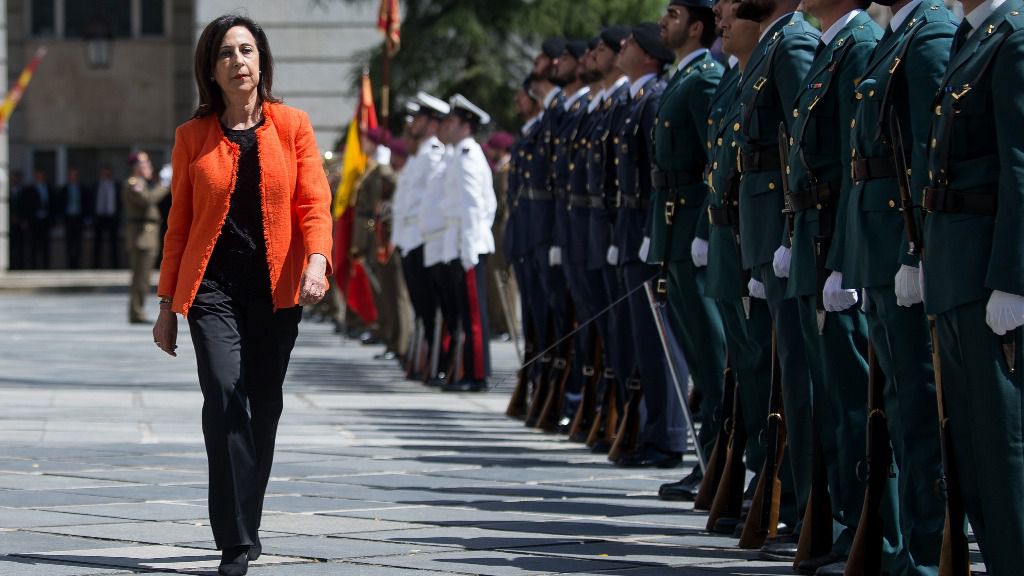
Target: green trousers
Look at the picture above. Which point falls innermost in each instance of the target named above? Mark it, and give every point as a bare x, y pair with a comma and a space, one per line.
839, 373
698, 326
983, 401
913, 511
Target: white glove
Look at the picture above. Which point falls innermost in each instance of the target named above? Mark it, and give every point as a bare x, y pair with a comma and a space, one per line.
756, 289
836, 298
554, 256
908, 286
1004, 312
645, 249
781, 262
612, 257
699, 252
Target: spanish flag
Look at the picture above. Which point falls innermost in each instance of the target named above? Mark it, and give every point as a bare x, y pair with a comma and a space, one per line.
18, 90
389, 22
349, 274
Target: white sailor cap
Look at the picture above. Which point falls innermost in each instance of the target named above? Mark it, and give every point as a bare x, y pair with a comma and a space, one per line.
431, 105
466, 109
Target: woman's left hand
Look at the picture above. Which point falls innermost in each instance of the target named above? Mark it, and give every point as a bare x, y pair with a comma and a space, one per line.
314, 280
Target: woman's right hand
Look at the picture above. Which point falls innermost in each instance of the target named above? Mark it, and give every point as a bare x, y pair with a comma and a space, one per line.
165, 331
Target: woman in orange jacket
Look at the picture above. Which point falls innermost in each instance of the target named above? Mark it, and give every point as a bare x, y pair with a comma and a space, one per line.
247, 242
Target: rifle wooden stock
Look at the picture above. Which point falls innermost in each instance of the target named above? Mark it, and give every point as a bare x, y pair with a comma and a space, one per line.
628, 435
955, 559
716, 463
728, 502
584, 418
540, 392
816, 535
518, 404
763, 518
551, 412
866, 551
606, 422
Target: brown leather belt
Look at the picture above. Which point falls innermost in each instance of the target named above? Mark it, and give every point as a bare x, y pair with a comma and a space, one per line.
979, 201
814, 196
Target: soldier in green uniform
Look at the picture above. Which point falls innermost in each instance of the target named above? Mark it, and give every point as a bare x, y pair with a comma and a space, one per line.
904, 71
765, 94
141, 196
974, 269
834, 329
680, 157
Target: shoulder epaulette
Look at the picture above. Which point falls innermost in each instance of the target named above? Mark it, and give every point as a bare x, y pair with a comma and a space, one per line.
1015, 18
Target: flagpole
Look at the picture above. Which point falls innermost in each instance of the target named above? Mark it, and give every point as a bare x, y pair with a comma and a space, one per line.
385, 88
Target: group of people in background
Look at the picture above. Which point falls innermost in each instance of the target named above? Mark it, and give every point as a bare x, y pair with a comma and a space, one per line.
826, 213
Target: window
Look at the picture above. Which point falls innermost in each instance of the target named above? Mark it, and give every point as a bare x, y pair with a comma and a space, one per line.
98, 19
152, 17
44, 19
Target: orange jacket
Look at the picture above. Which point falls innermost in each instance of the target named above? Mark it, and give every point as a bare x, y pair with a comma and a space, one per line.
296, 202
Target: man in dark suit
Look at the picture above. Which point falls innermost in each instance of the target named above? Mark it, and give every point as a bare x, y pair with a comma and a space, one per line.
71, 206
36, 201
107, 222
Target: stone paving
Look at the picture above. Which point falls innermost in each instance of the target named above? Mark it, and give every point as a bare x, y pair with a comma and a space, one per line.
102, 468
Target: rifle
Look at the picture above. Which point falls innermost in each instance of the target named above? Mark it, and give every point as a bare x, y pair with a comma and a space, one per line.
584, 418
728, 495
716, 462
763, 518
606, 421
544, 381
627, 438
816, 536
517, 404
551, 412
954, 559
866, 551
412, 356
506, 310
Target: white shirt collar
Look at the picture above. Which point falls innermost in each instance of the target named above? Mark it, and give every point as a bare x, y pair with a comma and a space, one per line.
579, 94
772, 25
829, 35
733, 61
529, 124
596, 100
978, 16
640, 83
690, 58
551, 96
900, 17
618, 84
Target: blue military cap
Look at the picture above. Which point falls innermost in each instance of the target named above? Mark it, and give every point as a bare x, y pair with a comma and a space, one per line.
648, 36
463, 108
709, 4
431, 105
593, 42
576, 48
553, 47
614, 35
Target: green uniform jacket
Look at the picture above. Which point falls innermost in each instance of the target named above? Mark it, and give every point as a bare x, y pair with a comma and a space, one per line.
905, 68
819, 149
766, 94
679, 132
376, 186
977, 151
723, 280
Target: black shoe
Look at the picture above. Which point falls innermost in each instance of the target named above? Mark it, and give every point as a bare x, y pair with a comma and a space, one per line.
677, 492
833, 569
438, 382
234, 561
811, 565
386, 355
650, 458
600, 447
465, 385
780, 549
254, 552
725, 525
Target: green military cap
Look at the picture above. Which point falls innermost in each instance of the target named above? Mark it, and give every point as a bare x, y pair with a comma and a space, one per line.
693, 3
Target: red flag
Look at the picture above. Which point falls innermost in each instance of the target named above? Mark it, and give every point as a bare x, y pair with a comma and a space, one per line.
351, 276
389, 22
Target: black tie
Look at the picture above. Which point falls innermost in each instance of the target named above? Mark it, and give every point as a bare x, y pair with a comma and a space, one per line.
888, 33
961, 36
819, 49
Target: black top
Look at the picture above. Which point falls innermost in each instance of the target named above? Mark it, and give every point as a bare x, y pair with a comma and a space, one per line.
238, 265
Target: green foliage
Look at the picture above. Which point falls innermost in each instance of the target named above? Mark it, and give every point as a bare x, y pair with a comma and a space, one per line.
484, 49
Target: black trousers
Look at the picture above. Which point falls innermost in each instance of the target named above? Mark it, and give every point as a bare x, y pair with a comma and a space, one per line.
421, 290
447, 286
476, 349
242, 350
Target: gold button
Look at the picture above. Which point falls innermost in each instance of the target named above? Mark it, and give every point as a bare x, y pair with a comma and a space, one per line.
796, 113
818, 206
682, 201
733, 143
892, 203
529, 156
938, 110
871, 93
554, 157
853, 123
527, 174
771, 185
934, 143
572, 166
714, 166
522, 153
720, 141
616, 161
859, 96
710, 122
791, 140
709, 144
616, 140
736, 127
787, 171
667, 124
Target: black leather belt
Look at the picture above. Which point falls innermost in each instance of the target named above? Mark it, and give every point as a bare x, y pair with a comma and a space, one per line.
538, 194
673, 179
635, 203
759, 161
595, 202
724, 216
979, 201
873, 168
813, 196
